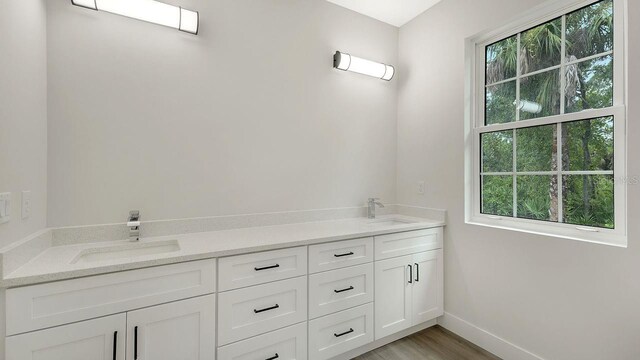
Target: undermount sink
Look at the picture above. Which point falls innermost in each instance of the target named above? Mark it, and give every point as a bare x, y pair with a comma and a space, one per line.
126, 251
391, 222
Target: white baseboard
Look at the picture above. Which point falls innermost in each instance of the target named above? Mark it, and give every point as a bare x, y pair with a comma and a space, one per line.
486, 340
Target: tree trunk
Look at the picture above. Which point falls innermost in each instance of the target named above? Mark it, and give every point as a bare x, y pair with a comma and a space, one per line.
553, 186
587, 188
566, 165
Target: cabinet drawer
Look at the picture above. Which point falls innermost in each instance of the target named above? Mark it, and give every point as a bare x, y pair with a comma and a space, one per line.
262, 308
285, 344
340, 254
405, 243
39, 306
253, 269
340, 289
340, 332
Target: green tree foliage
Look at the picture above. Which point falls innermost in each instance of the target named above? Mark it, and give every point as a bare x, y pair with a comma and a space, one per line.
585, 145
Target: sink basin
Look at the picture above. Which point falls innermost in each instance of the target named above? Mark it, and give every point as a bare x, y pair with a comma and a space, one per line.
126, 251
391, 222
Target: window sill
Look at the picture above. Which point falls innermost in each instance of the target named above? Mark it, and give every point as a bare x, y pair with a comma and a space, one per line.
561, 231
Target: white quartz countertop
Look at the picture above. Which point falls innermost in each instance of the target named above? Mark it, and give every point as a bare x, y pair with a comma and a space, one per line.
57, 262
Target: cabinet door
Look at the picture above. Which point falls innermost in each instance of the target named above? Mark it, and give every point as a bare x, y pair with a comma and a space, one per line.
102, 338
393, 295
182, 330
427, 297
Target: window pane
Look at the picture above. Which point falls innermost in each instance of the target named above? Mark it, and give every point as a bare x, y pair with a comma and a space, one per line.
534, 148
540, 95
588, 145
588, 200
535, 194
497, 195
541, 46
501, 60
497, 151
499, 103
590, 30
589, 84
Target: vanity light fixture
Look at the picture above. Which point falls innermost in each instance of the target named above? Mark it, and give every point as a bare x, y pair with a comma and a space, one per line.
346, 62
147, 10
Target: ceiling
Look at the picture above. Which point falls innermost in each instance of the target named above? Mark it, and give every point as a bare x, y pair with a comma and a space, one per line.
394, 12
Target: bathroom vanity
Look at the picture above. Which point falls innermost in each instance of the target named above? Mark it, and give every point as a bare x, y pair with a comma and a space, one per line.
302, 291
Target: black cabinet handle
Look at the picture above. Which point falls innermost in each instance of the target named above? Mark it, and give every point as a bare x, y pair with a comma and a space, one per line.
267, 267
274, 357
410, 274
343, 290
345, 254
115, 344
417, 272
135, 343
266, 309
344, 333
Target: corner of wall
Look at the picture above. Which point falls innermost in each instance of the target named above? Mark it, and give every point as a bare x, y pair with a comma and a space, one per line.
23, 104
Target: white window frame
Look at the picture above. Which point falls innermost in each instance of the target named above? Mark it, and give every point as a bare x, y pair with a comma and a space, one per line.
474, 125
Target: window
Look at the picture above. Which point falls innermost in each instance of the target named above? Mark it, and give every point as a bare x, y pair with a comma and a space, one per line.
547, 124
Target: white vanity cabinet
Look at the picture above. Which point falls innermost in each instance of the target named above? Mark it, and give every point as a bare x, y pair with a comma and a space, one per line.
408, 291
318, 302
102, 338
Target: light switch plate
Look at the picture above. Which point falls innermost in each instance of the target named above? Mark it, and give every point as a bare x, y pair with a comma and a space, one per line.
5, 207
26, 204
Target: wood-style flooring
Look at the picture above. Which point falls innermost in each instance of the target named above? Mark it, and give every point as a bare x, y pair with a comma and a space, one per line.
434, 343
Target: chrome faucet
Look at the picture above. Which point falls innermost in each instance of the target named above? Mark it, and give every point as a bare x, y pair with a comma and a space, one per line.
371, 211
134, 225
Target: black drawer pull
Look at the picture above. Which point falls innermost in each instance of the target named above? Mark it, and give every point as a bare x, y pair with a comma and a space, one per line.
344, 333
410, 274
135, 343
343, 290
267, 267
115, 344
274, 357
345, 254
266, 309
417, 272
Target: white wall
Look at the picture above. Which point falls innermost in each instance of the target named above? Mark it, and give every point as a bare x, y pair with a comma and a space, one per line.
246, 117
559, 299
23, 113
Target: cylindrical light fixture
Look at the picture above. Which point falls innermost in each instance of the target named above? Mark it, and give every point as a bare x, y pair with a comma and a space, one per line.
147, 10
346, 62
